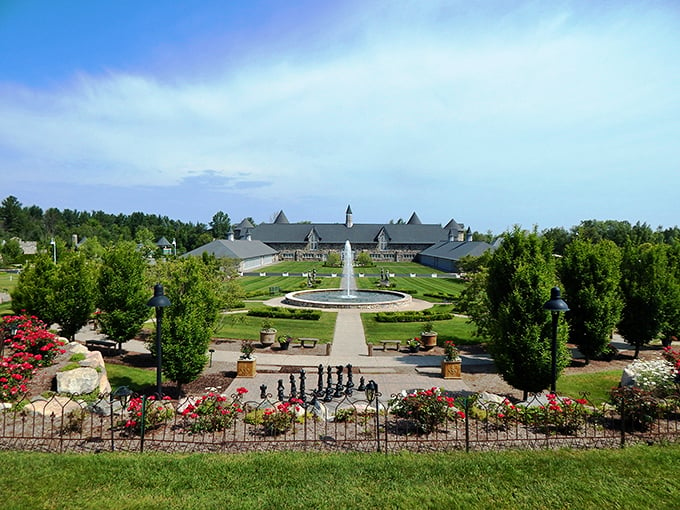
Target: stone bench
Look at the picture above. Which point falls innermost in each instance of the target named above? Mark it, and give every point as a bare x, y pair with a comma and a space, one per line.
304, 342
396, 343
110, 345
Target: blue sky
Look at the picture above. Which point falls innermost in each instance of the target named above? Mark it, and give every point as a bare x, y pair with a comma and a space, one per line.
494, 113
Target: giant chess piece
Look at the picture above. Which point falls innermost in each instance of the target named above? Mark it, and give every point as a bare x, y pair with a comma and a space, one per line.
319, 383
339, 386
279, 391
263, 391
293, 387
350, 382
362, 384
303, 389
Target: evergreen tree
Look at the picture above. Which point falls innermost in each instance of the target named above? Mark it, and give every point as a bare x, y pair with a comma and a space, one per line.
521, 274
194, 290
33, 292
644, 278
123, 292
591, 276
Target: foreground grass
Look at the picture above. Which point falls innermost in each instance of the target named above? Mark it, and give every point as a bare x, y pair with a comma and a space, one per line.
498, 480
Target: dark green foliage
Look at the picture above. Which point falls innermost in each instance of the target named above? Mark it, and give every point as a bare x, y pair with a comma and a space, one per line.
194, 289
276, 312
591, 275
123, 292
11, 253
74, 293
521, 274
645, 278
32, 292
412, 316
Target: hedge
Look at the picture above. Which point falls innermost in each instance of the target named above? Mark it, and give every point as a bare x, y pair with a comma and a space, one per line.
276, 312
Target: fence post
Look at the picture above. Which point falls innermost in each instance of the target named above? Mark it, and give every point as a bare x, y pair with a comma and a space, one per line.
623, 421
467, 424
142, 428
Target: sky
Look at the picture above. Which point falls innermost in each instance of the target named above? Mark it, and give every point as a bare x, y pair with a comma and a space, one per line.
494, 113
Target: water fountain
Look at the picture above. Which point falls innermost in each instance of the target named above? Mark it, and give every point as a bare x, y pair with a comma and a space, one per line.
347, 296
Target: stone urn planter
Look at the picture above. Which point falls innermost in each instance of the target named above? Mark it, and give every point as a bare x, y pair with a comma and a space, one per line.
428, 337
246, 367
451, 369
267, 334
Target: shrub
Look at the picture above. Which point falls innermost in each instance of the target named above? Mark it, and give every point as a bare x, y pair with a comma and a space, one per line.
279, 419
561, 414
655, 376
212, 412
154, 414
638, 408
427, 408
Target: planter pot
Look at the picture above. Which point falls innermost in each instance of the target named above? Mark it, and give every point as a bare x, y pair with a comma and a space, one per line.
414, 349
429, 340
284, 345
246, 368
267, 337
451, 369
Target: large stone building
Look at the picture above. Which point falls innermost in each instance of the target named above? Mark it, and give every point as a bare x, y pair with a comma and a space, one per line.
413, 240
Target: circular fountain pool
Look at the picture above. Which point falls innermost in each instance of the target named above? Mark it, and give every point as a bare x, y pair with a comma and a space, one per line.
339, 298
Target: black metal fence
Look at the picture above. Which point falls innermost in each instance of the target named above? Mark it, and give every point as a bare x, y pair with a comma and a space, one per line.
61, 424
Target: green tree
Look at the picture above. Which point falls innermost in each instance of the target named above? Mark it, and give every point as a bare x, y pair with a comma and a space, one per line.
364, 259
33, 292
11, 252
194, 289
591, 276
644, 278
12, 216
670, 326
123, 292
220, 225
74, 292
521, 274
333, 259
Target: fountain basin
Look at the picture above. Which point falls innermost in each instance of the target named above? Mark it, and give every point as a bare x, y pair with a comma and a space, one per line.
339, 298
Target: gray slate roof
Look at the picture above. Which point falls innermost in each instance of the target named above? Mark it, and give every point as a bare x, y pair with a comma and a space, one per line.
456, 250
238, 249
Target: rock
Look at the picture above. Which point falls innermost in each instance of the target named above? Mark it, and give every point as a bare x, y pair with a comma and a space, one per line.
57, 405
78, 381
628, 377
489, 398
76, 348
104, 407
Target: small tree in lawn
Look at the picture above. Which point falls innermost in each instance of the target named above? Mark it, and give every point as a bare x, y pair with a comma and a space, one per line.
333, 260
33, 291
74, 292
123, 291
645, 274
520, 275
194, 289
591, 275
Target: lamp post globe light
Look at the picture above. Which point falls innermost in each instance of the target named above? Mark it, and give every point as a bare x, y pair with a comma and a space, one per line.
555, 305
54, 250
158, 301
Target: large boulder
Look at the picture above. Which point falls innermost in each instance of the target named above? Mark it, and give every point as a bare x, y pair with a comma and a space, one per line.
78, 381
57, 405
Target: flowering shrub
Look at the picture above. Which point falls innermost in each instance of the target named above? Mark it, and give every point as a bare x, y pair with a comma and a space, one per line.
154, 415
247, 349
29, 346
451, 351
428, 408
673, 357
213, 412
561, 414
413, 343
500, 415
638, 408
280, 418
656, 376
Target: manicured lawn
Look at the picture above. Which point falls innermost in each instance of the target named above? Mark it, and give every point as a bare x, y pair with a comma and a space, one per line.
137, 379
8, 281
595, 384
241, 326
291, 480
456, 329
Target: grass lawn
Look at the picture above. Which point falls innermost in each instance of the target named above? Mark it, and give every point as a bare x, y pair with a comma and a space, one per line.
456, 329
137, 379
241, 326
595, 384
8, 281
500, 480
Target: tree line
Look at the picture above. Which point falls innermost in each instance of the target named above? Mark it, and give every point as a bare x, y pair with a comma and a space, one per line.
613, 275
31, 223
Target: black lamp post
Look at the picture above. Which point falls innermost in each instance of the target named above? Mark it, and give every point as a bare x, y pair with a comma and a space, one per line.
158, 301
555, 305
